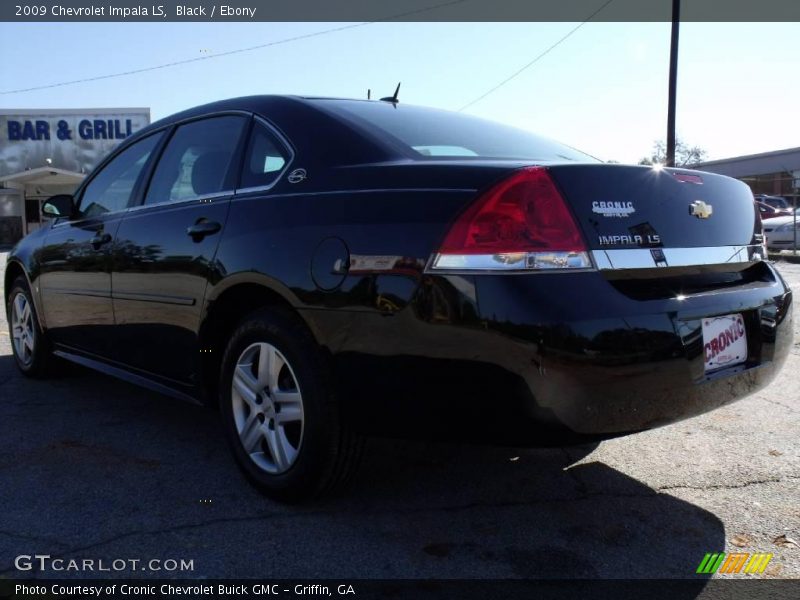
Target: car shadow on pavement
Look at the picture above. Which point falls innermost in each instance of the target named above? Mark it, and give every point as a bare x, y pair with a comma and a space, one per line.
94, 467
534, 513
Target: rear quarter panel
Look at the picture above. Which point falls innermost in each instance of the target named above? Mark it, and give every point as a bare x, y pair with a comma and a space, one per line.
277, 236
385, 217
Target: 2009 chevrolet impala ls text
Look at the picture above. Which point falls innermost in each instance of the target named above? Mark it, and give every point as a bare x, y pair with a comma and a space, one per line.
323, 268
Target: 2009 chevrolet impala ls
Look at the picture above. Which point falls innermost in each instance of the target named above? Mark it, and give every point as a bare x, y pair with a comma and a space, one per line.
321, 268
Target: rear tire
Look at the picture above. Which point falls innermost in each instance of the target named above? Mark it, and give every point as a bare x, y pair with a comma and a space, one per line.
282, 420
30, 346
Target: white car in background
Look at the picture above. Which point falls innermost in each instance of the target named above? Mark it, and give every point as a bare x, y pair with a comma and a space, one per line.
780, 232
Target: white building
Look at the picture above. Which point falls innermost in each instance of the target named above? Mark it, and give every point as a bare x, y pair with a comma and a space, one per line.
49, 151
774, 173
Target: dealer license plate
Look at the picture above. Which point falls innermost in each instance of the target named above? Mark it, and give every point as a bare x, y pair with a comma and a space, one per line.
724, 341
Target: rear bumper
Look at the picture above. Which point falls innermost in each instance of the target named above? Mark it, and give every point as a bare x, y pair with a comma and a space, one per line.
607, 399
615, 364
573, 355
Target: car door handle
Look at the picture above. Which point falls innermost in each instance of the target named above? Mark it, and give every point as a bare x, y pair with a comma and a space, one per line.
99, 239
203, 228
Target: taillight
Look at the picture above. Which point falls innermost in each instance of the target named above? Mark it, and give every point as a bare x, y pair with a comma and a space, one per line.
522, 223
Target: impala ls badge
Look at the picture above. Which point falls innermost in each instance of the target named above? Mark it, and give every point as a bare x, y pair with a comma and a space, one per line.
700, 209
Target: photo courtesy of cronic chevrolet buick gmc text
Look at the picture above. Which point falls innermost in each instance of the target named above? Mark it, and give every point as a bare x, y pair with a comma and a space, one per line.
320, 269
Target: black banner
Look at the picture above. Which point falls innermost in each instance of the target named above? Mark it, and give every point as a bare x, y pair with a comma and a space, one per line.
226, 589
394, 10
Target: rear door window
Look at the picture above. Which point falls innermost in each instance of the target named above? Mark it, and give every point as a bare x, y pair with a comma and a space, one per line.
197, 160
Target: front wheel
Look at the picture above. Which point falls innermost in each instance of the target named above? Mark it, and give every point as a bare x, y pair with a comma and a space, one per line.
281, 418
30, 347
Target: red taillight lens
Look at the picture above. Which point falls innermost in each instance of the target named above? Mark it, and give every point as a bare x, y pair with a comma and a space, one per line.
520, 224
524, 213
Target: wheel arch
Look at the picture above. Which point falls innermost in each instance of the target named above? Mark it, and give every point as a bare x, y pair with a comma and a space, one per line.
15, 269
225, 306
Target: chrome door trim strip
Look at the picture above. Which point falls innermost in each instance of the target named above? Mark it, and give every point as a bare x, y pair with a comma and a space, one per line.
140, 297
76, 292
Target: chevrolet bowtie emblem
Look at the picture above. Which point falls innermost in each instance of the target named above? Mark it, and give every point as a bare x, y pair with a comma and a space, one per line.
700, 209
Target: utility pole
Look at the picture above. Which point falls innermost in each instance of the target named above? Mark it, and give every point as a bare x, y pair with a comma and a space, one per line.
796, 186
673, 82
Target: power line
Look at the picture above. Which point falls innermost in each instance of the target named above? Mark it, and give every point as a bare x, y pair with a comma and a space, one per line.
183, 62
229, 52
535, 60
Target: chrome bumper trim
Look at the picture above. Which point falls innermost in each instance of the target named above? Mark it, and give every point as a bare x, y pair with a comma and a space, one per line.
514, 261
649, 258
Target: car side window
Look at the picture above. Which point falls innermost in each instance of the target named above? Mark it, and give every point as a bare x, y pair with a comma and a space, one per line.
110, 190
264, 159
196, 160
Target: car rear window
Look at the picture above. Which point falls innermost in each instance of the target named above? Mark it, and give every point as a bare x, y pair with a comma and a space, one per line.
431, 133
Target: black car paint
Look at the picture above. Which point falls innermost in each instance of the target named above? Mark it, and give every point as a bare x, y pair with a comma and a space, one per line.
576, 353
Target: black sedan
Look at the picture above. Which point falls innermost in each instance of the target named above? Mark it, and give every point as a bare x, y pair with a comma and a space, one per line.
322, 268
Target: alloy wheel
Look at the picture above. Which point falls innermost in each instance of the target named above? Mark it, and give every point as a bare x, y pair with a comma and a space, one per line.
267, 408
22, 330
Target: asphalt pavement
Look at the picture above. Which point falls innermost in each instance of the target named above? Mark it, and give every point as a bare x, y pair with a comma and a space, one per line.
95, 468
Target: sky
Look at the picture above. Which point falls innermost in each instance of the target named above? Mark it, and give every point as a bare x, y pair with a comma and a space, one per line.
603, 90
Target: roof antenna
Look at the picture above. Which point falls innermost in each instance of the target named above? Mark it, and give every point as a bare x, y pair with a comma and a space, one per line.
392, 99
369, 94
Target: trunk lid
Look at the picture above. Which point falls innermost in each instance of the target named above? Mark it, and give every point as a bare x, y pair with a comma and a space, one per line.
626, 207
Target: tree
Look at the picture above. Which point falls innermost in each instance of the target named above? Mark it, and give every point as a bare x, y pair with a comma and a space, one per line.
685, 155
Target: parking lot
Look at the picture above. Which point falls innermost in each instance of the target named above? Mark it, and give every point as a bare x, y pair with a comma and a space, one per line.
91, 467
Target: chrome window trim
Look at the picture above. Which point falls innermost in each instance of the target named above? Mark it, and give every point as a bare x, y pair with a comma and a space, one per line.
642, 258
258, 188
143, 134
374, 191
138, 207
212, 196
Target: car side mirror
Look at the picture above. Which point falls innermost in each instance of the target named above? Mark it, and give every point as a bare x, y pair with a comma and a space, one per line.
62, 205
